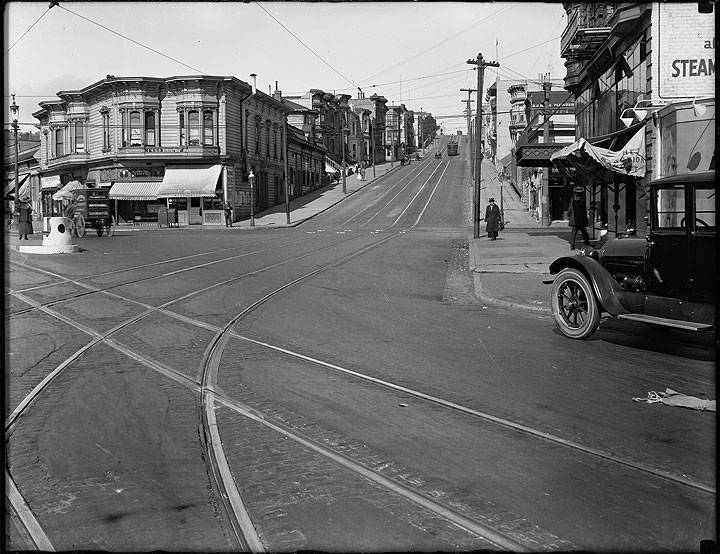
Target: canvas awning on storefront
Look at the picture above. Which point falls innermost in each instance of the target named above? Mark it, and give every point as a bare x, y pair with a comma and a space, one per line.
135, 191
50, 182
66, 191
10, 187
192, 181
584, 157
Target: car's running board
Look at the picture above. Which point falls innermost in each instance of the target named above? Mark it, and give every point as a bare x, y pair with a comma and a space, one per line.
687, 325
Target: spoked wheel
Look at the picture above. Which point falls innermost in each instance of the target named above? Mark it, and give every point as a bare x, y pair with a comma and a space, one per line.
80, 226
110, 228
574, 306
99, 228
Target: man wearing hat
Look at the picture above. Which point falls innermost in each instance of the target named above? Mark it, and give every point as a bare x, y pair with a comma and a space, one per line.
492, 219
577, 216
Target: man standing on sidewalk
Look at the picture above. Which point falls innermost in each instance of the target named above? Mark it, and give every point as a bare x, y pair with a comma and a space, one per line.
577, 216
492, 219
228, 213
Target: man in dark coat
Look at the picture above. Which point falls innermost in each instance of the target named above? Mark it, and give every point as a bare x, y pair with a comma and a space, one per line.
577, 217
492, 219
227, 208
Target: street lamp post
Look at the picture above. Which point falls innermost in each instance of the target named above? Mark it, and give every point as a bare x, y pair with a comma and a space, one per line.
372, 146
251, 178
343, 162
15, 113
422, 142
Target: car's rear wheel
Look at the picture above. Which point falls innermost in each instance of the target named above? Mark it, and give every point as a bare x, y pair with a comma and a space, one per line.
574, 306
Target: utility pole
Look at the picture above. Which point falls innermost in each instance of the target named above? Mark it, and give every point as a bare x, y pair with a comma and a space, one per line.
481, 65
469, 129
544, 198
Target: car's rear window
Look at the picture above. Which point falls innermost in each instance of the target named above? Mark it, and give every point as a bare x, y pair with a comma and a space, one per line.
671, 207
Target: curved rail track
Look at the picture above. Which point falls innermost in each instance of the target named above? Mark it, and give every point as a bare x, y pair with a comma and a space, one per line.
206, 385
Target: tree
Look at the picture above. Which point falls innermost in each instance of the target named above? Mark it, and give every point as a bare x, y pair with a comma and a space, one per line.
429, 127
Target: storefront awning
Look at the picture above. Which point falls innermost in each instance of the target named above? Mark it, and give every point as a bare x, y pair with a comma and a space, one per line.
66, 191
586, 158
135, 191
50, 182
10, 187
183, 181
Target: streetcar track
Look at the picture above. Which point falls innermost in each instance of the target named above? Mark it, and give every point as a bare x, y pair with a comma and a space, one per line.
91, 289
206, 386
438, 401
32, 525
386, 193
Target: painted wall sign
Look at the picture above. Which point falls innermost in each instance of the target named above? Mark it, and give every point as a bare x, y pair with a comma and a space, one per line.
684, 50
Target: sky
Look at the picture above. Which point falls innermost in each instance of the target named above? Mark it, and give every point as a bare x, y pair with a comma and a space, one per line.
409, 52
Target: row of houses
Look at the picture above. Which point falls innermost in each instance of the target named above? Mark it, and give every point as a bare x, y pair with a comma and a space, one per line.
191, 143
640, 82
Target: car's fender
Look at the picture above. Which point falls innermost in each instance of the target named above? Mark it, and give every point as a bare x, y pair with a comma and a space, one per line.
605, 287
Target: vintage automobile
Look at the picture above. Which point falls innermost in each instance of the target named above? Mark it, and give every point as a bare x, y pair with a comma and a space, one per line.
667, 278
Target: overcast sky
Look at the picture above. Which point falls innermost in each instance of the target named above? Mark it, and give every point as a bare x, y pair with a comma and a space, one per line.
413, 52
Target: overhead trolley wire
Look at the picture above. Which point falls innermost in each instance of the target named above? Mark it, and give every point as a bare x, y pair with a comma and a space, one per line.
31, 26
318, 56
439, 43
131, 40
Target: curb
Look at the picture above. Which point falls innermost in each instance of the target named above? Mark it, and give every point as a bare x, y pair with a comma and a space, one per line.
477, 285
477, 282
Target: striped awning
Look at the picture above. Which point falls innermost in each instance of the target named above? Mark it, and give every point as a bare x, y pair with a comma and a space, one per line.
135, 191
192, 181
10, 187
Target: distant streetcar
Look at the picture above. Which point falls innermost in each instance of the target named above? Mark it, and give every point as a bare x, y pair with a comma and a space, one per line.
452, 148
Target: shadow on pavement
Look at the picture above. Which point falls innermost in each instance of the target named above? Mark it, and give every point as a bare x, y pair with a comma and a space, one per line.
654, 338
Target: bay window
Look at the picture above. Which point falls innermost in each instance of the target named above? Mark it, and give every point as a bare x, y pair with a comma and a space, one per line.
59, 142
106, 129
149, 128
79, 136
208, 128
135, 129
194, 128
182, 128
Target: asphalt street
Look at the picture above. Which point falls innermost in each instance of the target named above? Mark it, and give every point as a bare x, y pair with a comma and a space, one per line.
349, 382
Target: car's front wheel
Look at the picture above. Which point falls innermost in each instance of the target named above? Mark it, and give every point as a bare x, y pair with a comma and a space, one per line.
574, 305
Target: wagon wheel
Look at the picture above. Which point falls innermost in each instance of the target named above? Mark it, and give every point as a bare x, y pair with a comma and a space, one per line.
79, 221
99, 227
110, 229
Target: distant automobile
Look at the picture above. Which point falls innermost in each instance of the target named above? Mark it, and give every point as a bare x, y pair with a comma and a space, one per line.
666, 278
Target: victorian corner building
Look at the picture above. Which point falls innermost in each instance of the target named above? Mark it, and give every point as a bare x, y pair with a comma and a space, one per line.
642, 79
188, 143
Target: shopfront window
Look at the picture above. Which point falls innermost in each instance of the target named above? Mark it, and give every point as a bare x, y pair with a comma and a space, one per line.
208, 128
194, 128
149, 128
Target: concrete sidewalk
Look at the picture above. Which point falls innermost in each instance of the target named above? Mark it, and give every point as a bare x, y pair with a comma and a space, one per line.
509, 271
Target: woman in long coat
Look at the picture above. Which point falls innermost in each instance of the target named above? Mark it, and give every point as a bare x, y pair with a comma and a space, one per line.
24, 221
492, 219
